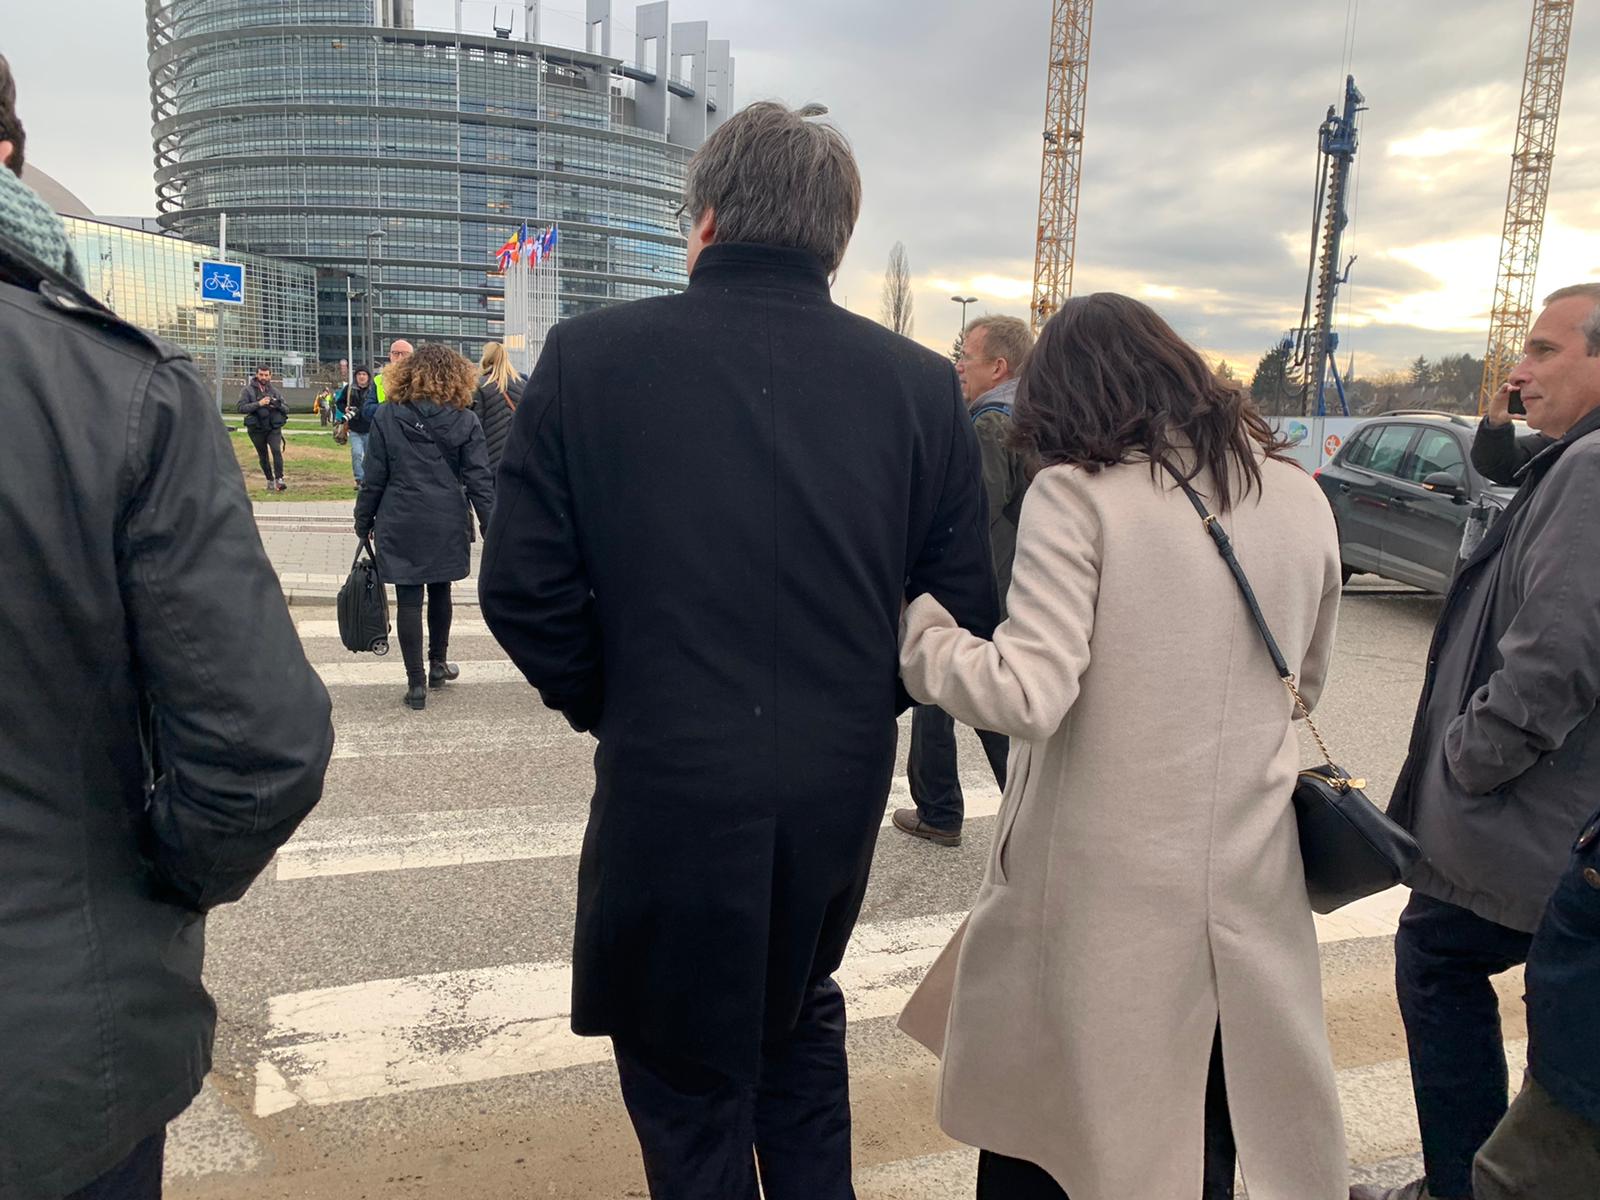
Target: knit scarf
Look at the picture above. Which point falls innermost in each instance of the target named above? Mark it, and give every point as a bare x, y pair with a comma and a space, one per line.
28, 226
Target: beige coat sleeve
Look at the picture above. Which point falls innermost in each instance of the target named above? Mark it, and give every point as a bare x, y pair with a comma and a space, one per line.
1314, 666
1023, 682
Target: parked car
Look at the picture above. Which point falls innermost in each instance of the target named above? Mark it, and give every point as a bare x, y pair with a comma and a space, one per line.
1402, 488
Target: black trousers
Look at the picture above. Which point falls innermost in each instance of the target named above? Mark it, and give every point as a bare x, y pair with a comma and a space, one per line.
408, 623
137, 1177
262, 440
1444, 957
931, 768
1002, 1178
704, 1136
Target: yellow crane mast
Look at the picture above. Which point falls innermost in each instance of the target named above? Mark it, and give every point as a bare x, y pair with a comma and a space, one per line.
1531, 160
1065, 95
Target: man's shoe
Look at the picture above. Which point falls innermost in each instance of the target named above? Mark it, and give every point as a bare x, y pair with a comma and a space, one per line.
906, 820
441, 673
282, 486
1417, 1189
416, 696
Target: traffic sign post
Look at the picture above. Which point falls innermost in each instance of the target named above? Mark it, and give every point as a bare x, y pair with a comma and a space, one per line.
222, 284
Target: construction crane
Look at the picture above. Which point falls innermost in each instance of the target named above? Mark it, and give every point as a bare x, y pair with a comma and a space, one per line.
1065, 95
1532, 158
1313, 345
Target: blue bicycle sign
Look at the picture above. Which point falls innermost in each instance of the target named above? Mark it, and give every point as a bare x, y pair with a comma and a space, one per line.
222, 282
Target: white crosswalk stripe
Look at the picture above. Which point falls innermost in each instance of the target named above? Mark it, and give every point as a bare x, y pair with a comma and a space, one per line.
368, 672
387, 1036
412, 841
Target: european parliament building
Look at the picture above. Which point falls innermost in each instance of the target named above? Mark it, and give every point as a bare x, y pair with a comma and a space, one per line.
337, 134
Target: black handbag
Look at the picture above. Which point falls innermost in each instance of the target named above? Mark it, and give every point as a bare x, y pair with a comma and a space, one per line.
363, 605
1350, 848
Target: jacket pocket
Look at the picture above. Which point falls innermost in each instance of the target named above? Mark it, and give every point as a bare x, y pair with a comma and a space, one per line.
1016, 786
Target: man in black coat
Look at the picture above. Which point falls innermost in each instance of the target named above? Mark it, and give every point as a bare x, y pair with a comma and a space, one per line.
1548, 1146
266, 412
1500, 773
710, 512
161, 733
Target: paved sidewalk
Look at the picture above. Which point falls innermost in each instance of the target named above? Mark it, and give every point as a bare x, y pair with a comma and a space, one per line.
311, 544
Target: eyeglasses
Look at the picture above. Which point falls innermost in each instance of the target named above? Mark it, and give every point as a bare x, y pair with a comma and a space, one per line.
964, 357
686, 221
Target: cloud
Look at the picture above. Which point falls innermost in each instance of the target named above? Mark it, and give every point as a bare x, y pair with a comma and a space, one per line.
1199, 154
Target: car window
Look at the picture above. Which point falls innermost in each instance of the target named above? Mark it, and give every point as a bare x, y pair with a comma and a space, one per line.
1390, 448
1437, 450
1360, 448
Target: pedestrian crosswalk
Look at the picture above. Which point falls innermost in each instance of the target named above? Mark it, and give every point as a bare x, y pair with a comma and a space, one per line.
410, 1029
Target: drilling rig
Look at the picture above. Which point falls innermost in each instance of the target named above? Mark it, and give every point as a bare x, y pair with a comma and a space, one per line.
1532, 158
1065, 95
1313, 345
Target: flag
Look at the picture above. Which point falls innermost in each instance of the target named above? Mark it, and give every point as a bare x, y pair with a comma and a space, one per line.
503, 255
522, 235
550, 245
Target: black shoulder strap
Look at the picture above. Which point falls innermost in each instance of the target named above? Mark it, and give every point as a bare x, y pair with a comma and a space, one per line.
1224, 544
992, 406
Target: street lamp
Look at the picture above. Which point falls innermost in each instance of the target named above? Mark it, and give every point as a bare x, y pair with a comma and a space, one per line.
372, 295
963, 301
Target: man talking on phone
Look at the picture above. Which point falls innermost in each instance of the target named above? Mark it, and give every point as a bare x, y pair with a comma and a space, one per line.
1499, 452
1499, 779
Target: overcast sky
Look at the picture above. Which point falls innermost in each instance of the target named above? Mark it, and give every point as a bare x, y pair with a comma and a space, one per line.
1200, 146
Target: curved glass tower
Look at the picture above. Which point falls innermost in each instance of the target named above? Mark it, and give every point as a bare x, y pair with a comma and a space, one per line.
316, 124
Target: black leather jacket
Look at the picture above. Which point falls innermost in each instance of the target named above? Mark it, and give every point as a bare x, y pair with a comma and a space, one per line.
161, 735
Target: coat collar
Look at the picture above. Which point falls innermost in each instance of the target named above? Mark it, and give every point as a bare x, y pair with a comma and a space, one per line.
746, 264
1541, 461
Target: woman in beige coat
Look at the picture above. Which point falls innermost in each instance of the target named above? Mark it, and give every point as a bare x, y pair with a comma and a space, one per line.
1144, 887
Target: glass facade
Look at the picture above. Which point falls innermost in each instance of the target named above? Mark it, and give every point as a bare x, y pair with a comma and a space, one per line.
312, 129
153, 281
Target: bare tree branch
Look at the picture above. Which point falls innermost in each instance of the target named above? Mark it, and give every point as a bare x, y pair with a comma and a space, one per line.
897, 298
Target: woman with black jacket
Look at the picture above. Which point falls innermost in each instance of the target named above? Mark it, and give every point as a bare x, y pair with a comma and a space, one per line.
426, 471
499, 389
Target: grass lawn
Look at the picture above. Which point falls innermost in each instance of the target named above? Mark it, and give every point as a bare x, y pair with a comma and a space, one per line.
314, 467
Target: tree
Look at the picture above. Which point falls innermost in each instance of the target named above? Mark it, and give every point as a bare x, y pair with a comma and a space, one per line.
1270, 385
957, 345
897, 298
1421, 373
1225, 371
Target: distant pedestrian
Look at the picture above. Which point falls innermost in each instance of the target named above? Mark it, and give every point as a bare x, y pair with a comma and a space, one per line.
993, 350
423, 452
1139, 980
1500, 774
1548, 1145
265, 414
399, 351
353, 404
499, 389
161, 735
710, 510
323, 405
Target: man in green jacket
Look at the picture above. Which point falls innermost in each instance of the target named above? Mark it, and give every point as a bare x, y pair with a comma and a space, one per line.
992, 354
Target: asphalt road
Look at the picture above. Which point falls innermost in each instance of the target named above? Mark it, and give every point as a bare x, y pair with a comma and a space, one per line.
393, 990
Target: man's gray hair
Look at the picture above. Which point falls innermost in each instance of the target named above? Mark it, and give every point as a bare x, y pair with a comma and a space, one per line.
1005, 337
1591, 327
776, 178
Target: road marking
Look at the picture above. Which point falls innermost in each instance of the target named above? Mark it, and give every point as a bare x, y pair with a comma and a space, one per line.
388, 1036
320, 628
366, 673
538, 730
413, 841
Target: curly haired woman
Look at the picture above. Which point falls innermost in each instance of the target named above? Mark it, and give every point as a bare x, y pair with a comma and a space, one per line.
426, 469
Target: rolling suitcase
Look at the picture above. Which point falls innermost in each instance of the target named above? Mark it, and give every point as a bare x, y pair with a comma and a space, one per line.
364, 605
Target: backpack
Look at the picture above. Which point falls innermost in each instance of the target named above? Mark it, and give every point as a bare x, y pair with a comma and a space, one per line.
363, 605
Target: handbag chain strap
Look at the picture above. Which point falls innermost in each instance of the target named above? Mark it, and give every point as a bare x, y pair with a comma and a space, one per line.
1224, 544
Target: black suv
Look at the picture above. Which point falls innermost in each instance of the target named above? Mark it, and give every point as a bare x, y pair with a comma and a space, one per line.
1401, 489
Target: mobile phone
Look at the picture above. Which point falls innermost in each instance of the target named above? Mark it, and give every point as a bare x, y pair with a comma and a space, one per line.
1516, 407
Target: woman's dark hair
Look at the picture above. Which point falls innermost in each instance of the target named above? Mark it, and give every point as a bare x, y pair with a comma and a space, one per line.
1110, 382
10, 126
